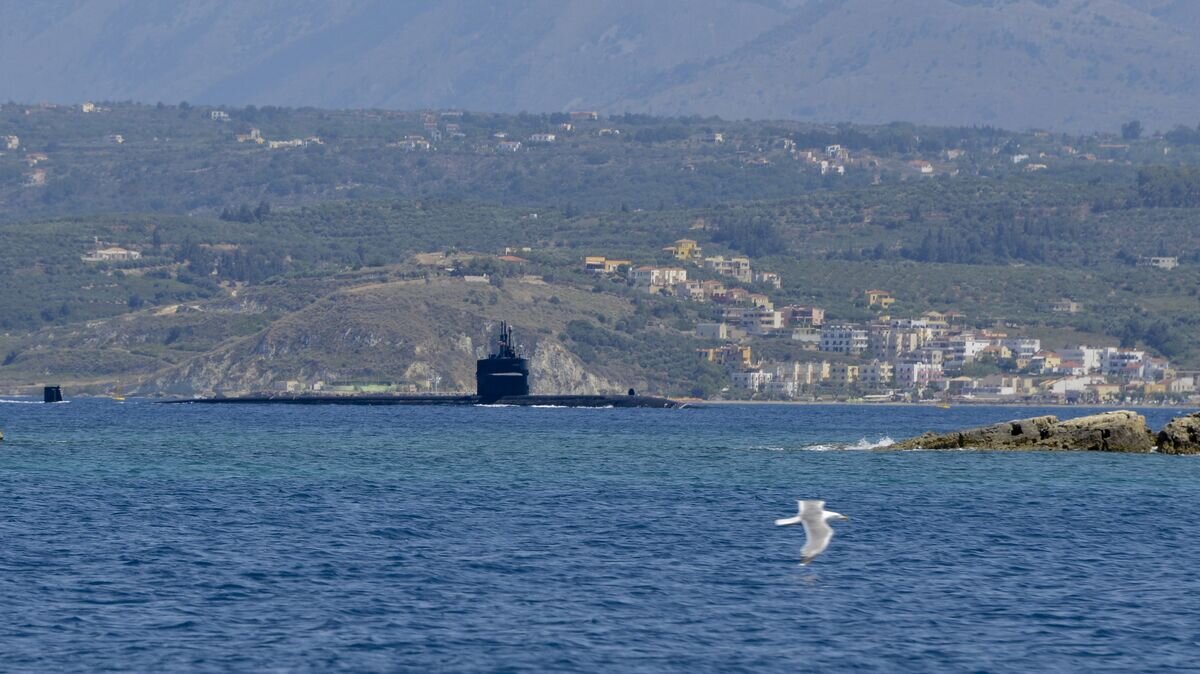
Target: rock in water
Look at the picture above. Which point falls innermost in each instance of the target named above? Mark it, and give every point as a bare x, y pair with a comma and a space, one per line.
1181, 436
1120, 431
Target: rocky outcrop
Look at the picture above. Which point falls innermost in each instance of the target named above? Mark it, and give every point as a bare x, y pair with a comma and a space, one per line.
1120, 431
1181, 436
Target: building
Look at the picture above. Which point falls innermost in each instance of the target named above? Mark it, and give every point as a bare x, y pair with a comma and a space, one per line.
879, 298
684, 249
415, 144
112, 254
114, 138
844, 339
87, 107
804, 317
601, 265
1065, 306
218, 116
730, 355
876, 374
543, 138
584, 116
657, 277
810, 374
1167, 263
720, 331
10, 142
737, 267
1085, 358
509, 145
761, 321
1023, 348
890, 343
255, 136
769, 278
917, 374
1121, 362
843, 375
752, 380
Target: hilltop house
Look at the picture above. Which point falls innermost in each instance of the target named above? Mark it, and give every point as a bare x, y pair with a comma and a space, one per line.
769, 278
112, 254
255, 136
879, 298
599, 264
684, 249
218, 116
1159, 262
1065, 306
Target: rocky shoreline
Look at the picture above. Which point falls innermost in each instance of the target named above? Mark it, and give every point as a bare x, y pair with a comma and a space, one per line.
1118, 431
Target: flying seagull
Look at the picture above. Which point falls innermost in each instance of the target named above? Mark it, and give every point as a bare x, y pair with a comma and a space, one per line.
817, 531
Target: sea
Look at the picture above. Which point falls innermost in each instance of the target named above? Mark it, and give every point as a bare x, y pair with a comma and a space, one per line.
156, 538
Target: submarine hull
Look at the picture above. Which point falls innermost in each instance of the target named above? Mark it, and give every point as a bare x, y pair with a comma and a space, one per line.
516, 401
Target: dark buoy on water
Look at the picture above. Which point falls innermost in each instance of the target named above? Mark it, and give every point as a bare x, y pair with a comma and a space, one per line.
52, 394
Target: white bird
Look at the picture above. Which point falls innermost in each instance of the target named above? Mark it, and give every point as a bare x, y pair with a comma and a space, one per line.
817, 531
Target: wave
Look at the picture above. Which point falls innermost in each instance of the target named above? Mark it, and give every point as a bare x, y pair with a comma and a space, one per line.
30, 402
861, 445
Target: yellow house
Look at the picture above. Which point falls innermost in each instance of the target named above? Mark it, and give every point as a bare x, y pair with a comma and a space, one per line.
730, 354
601, 265
880, 298
684, 249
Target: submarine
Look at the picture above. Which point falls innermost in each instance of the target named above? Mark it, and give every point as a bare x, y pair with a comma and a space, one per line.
502, 378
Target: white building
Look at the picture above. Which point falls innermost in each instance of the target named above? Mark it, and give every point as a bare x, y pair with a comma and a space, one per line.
1159, 262
1022, 347
844, 339
1121, 362
10, 142
218, 116
112, 254
754, 380
910, 375
543, 138
1088, 358
657, 277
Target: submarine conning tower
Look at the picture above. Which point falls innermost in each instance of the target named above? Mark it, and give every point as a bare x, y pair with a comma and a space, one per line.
504, 372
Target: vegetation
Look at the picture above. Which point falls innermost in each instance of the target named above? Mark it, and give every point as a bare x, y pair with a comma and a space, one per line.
238, 240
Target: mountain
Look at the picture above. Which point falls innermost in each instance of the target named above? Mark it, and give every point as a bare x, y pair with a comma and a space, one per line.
1074, 65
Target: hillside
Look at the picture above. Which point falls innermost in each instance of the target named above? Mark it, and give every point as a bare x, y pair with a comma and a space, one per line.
341, 253
1073, 65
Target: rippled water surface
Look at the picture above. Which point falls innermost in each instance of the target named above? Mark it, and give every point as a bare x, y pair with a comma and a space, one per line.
145, 537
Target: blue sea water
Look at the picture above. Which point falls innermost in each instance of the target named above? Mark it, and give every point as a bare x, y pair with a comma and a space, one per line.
142, 537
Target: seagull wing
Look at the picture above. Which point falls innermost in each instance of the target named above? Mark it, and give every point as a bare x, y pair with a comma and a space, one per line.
817, 531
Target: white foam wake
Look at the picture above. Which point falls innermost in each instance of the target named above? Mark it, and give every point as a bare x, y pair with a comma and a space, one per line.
861, 445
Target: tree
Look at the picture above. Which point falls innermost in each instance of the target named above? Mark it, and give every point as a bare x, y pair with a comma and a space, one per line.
1131, 130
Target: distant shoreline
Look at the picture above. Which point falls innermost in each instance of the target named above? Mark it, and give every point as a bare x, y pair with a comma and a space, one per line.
863, 403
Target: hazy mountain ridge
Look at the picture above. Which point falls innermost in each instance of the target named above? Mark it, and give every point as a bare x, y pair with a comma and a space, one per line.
1063, 64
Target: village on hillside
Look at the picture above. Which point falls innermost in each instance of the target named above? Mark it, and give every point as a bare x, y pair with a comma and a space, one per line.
930, 356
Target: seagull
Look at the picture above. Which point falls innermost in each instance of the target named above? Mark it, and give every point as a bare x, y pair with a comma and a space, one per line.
817, 531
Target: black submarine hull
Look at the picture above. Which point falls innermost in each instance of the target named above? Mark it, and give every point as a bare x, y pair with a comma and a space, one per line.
634, 401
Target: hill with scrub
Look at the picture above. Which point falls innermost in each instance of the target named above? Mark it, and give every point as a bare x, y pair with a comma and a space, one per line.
356, 260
